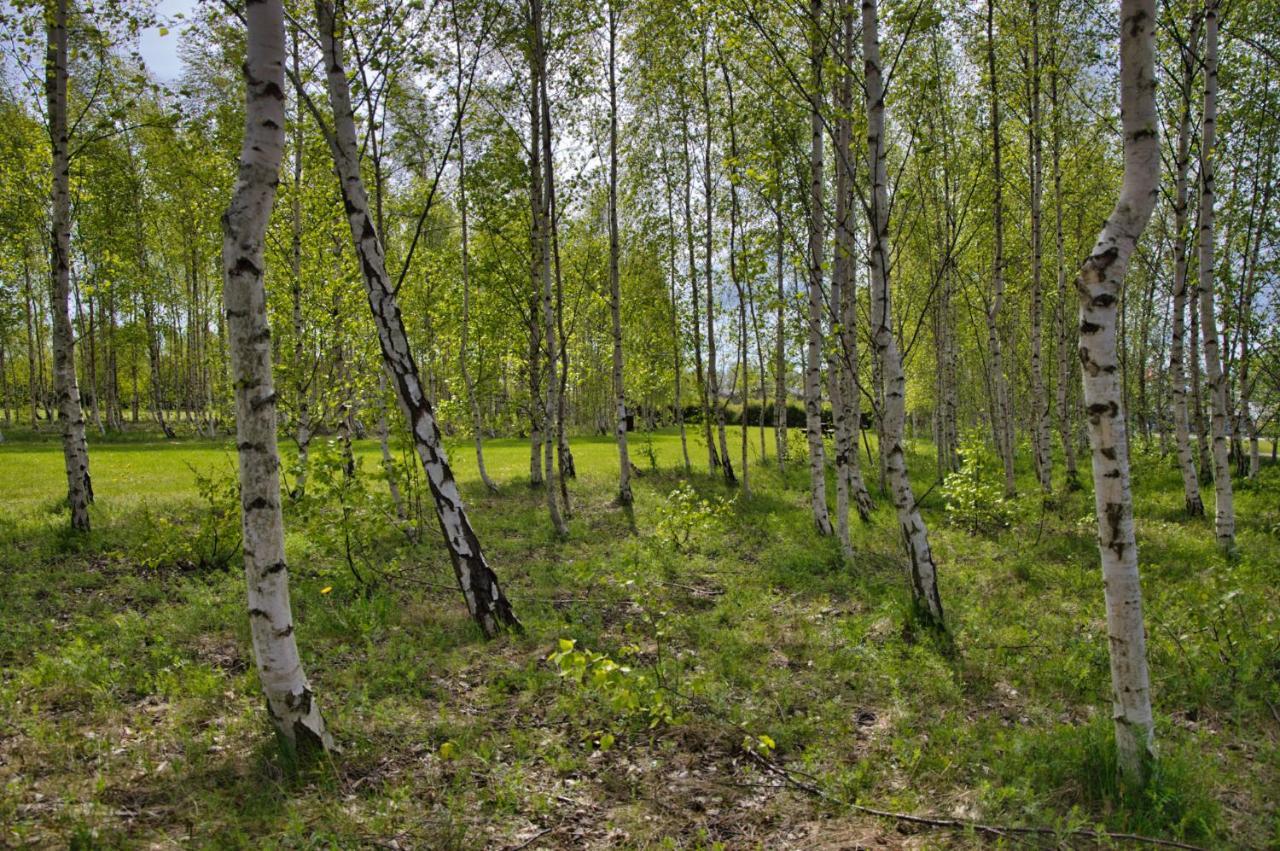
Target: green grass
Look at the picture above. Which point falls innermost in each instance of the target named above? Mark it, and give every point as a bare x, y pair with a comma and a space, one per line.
130, 716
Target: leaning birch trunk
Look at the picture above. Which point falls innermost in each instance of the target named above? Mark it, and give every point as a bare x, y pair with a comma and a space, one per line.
848, 308
293, 709
1224, 508
1098, 287
1177, 361
615, 289
1003, 425
478, 583
923, 570
813, 349
70, 415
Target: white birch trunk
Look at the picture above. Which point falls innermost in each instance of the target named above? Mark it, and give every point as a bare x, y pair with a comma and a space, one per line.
1098, 287
541, 191
1224, 507
75, 450
1003, 426
1039, 398
478, 583
845, 406
477, 423
923, 572
615, 289
813, 349
293, 709
1177, 361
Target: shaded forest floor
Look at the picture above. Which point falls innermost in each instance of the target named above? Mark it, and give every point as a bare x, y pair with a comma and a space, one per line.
130, 715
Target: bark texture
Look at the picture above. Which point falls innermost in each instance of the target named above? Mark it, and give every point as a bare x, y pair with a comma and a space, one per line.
1099, 286
813, 348
75, 451
1177, 361
478, 583
615, 287
1003, 421
923, 572
1224, 505
293, 709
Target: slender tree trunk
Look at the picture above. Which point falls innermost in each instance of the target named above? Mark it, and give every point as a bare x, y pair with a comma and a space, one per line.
1003, 426
33, 353
293, 709
1099, 285
615, 289
1040, 398
813, 349
844, 366
1177, 367
478, 583
780, 342
677, 337
923, 571
302, 384
536, 406
70, 416
542, 192
736, 278
695, 295
1224, 508
708, 209
1199, 422
477, 422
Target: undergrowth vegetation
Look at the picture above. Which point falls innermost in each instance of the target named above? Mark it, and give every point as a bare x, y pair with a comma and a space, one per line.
676, 657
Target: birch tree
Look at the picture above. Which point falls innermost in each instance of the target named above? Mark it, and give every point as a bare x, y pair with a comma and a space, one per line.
75, 450
922, 570
485, 601
1177, 361
1224, 507
291, 705
615, 289
1002, 425
1098, 287
813, 349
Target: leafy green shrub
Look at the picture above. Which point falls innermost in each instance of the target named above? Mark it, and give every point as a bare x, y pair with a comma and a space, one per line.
973, 497
685, 514
203, 540
630, 695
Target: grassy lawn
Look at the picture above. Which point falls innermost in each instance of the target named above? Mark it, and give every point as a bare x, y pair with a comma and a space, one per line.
130, 714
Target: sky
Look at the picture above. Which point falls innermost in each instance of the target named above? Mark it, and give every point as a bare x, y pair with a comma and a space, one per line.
161, 52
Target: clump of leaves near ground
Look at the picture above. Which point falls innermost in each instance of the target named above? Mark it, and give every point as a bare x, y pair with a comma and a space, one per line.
974, 499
